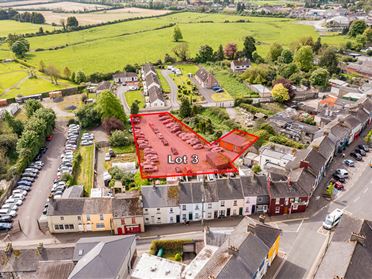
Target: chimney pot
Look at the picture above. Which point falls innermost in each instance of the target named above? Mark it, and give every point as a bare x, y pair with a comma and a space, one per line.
251, 228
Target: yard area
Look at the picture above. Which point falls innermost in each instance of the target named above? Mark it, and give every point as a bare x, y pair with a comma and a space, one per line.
136, 95
84, 174
163, 83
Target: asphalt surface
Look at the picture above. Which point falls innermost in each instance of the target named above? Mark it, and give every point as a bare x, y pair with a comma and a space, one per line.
33, 205
173, 89
120, 94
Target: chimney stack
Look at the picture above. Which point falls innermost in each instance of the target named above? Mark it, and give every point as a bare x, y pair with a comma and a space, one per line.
358, 238
232, 250
251, 228
304, 164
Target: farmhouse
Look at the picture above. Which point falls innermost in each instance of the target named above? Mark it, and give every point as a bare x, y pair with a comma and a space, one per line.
240, 65
205, 79
125, 77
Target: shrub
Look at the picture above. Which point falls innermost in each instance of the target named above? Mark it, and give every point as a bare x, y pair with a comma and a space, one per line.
178, 257
256, 168
119, 138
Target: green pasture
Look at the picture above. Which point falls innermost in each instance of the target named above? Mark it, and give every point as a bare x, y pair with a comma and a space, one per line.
15, 27
132, 96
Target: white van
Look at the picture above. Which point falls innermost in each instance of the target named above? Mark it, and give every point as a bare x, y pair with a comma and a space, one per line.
332, 219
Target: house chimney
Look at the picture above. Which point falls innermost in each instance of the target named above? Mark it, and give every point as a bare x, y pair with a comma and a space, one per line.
304, 164
251, 228
232, 250
326, 131
358, 238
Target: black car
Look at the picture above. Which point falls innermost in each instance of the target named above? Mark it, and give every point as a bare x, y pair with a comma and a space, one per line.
6, 219
338, 177
360, 151
356, 156
363, 147
5, 226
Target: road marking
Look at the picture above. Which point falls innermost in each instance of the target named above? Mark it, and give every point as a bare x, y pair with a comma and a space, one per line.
356, 199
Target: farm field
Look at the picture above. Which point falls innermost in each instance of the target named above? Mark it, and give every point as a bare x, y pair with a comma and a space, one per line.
17, 3
15, 27
101, 16
132, 96
86, 49
62, 6
14, 81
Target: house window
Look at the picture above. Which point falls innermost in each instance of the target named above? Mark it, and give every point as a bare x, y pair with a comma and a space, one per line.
66, 227
146, 209
171, 210
286, 201
101, 217
158, 218
222, 203
100, 225
297, 199
295, 206
79, 218
133, 220
277, 201
183, 216
62, 218
158, 209
196, 207
171, 219
146, 219
235, 203
184, 207
56, 227
196, 216
209, 215
277, 209
209, 205
60, 227
88, 217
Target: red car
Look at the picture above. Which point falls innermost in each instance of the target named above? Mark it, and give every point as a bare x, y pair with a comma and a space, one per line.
49, 138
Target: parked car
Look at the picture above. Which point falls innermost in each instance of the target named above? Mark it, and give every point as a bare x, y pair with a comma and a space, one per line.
363, 147
24, 182
29, 174
107, 157
6, 219
338, 177
349, 163
339, 186
25, 178
356, 156
24, 187
360, 151
5, 226
342, 172
198, 146
14, 201
32, 170
18, 191
174, 151
12, 213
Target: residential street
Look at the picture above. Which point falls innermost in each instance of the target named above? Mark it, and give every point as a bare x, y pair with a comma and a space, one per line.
173, 88
33, 205
120, 94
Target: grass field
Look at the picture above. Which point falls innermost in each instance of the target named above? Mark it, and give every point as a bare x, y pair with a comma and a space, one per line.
62, 6
163, 83
16, 3
14, 81
136, 95
15, 27
85, 172
106, 48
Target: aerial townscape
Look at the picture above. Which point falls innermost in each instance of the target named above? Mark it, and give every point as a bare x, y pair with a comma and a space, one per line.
197, 139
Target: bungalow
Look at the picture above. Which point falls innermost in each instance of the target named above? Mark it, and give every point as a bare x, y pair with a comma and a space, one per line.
240, 65
79, 215
102, 86
191, 201
205, 79
127, 213
156, 98
161, 204
246, 252
125, 77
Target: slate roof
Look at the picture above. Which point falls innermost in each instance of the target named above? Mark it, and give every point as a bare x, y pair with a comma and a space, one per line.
252, 250
367, 104
54, 269
78, 206
104, 85
155, 93
361, 115
351, 121
324, 145
147, 68
282, 189
102, 257
160, 196
152, 78
255, 185
210, 191
73, 192
315, 159
340, 131
302, 178
204, 75
124, 74
241, 62
126, 206
229, 189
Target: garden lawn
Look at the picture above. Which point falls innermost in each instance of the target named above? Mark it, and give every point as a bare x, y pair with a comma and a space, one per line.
221, 97
106, 48
183, 82
124, 149
136, 95
164, 84
85, 172
15, 27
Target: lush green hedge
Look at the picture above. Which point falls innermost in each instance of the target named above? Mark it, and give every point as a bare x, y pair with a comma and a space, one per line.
174, 246
254, 109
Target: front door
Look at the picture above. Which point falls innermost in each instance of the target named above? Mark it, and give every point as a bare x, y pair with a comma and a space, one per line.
241, 211
190, 216
228, 212
215, 214
120, 231
177, 218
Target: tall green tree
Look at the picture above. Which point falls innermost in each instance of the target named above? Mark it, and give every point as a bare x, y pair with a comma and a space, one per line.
304, 58
72, 22
329, 60
319, 78
31, 106
15, 124
181, 51
109, 106
357, 27
134, 108
80, 77
185, 108
219, 55
280, 93
20, 47
205, 54
249, 46
286, 56
177, 34
89, 116
274, 52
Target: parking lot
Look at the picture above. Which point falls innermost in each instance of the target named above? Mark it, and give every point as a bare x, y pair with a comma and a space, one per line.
33, 205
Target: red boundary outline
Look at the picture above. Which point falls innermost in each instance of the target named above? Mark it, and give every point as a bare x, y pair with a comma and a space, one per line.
232, 170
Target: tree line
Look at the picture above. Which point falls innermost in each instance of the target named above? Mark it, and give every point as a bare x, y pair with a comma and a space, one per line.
32, 17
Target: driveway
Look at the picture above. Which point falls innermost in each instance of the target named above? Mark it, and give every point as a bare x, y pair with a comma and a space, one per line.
173, 89
120, 93
32, 208
206, 93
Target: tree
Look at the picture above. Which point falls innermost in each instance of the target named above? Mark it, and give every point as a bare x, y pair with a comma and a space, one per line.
53, 73
274, 52
357, 27
181, 51
20, 47
178, 257
67, 72
328, 59
304, 58
230, 50
41, 30
88, 116
257, 58
280, 93
368, 35
73, 77
177, 34
219, 55
31, 106
109, 106
111, 124
249, 46
205, 54
185, 108
169, 59
119, 138
287, 84
259, 74
286, 56
256, 169
134, 108
80, 77
319, 78
130, 68
41, 66
15, 124
72, 22
317, 45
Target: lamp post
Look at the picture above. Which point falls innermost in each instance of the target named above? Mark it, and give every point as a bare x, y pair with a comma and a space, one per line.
202, 220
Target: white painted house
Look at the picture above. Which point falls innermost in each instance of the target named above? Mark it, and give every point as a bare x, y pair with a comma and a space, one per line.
191, 201
230, 194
